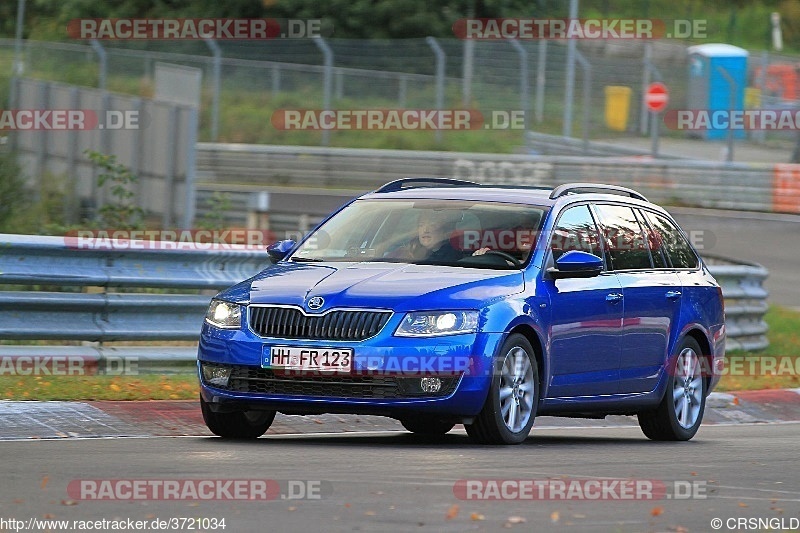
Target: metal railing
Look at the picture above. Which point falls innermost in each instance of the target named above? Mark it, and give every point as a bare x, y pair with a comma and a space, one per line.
36, 311
62, 294
745, 302
743, 186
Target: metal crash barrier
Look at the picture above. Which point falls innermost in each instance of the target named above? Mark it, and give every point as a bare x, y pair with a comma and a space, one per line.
58, 291
98, 290
745, 302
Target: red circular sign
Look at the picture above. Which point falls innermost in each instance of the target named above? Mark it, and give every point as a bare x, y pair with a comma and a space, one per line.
657, 97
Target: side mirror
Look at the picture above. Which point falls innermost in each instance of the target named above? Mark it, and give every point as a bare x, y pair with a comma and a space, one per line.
576, 264
279, 250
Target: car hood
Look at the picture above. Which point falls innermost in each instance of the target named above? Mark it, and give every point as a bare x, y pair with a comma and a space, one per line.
401, 287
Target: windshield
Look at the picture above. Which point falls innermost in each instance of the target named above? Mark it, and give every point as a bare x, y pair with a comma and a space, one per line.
445, 232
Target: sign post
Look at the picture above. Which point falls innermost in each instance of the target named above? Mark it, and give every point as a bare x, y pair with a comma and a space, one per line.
656, 98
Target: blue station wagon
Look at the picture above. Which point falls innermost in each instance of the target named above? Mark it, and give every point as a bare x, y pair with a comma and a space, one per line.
439, 302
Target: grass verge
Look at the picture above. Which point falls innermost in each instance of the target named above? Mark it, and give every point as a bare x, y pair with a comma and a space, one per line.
783, 350
144, 387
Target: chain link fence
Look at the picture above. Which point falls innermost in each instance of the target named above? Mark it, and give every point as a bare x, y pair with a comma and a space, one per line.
247, 80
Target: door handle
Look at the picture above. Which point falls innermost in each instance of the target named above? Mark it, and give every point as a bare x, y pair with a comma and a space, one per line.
673, 295
614, 297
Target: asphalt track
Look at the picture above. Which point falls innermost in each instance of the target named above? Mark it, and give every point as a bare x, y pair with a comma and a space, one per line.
391, 481
347, 473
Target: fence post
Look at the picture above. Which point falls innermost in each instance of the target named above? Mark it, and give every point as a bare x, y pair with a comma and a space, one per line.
14, 97
524, 99
587, 93
650, 72
566, 127
18, 63
644, 114
215, 49
440, 63
136, 144
466, 73
541, 76
327, 82
339, 84
276, 79
41, 154
102, 56
189, 178
760, 136
71, 193
402, 89
171, 167
732, 100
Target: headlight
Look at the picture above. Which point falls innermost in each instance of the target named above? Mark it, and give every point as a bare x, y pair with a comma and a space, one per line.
432, 323
224, 314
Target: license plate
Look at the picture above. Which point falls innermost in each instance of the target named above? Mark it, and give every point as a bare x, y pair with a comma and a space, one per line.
308, 359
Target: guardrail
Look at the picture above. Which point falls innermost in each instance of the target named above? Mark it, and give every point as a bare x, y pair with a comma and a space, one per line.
52, 264
89, 312
747, 186
545, 144
745, 302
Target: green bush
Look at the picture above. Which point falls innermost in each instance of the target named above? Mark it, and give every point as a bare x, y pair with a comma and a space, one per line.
13, 196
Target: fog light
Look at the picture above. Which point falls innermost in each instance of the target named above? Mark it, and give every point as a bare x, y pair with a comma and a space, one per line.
216, 375
430, 384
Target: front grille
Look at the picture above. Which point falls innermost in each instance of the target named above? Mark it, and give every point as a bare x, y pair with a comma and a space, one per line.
291, 323
255, 379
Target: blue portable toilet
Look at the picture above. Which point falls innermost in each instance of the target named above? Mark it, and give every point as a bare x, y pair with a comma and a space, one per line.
708, 87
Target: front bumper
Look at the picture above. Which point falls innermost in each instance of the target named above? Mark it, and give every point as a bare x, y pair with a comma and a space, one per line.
384, 379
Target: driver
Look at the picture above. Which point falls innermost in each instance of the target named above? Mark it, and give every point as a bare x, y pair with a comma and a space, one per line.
432, 241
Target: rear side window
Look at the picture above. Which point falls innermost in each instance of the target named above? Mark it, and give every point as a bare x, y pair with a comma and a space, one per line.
654, 242
624, 238
575, 230
673, 241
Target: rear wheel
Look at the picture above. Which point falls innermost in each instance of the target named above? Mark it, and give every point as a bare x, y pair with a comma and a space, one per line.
237, 424
424, 425
680, 412
509, 411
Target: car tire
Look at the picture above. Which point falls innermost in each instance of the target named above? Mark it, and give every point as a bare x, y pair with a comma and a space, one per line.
510, 408
240, 425
424, 425
680, 413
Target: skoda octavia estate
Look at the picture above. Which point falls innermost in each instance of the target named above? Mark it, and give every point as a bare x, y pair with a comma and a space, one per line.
441, 302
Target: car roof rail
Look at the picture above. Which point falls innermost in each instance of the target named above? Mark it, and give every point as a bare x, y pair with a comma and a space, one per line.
413, 183
572, 188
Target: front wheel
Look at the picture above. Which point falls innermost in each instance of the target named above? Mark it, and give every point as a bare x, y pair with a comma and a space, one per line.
242, 425
680, 413
507, 416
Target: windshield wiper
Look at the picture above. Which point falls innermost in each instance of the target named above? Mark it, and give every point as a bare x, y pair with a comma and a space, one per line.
307, 260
